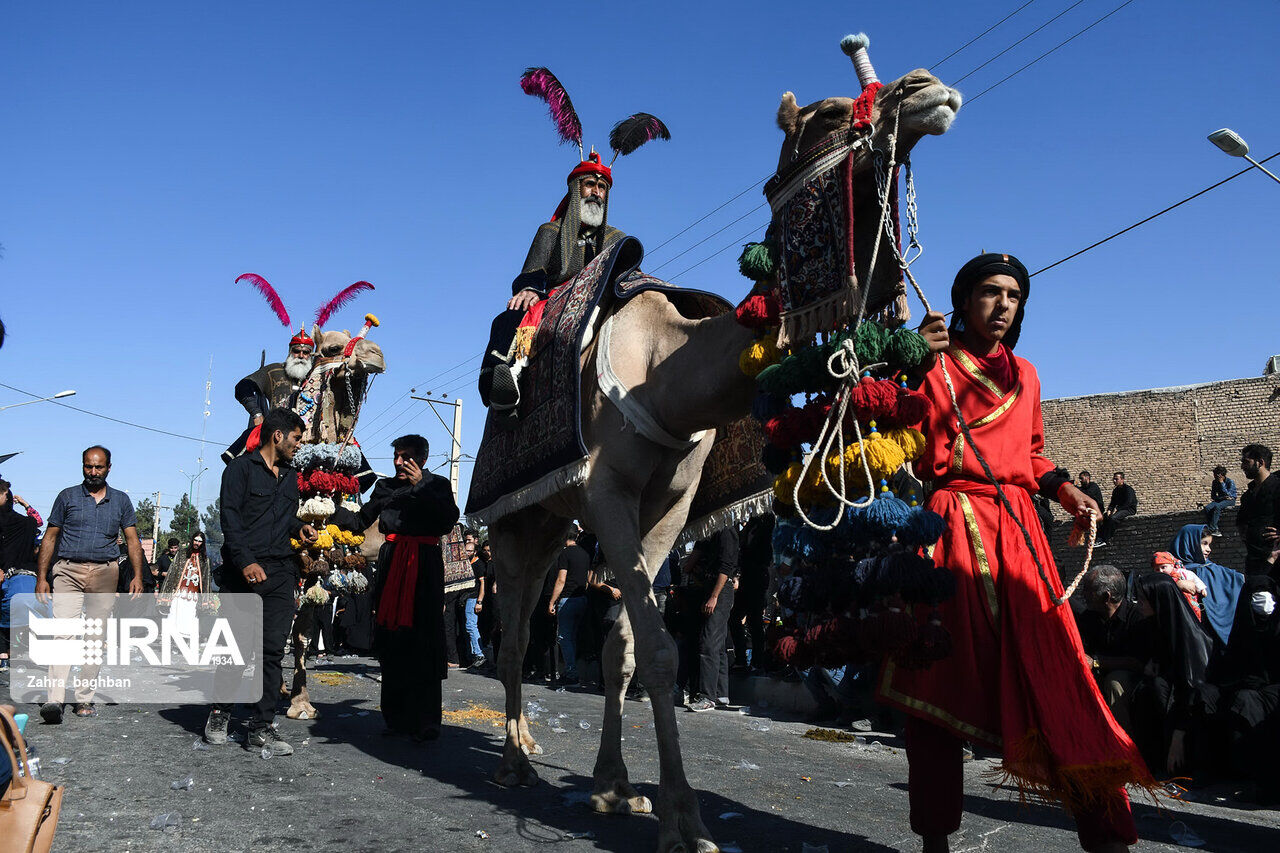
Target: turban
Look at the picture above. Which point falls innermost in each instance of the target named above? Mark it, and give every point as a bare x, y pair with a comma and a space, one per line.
982, 267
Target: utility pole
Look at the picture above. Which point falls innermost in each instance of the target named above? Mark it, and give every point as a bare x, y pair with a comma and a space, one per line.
204, 425
455, 434
155, 526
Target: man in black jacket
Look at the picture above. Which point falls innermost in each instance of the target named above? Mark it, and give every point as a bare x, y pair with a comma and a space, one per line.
413, 509
259, 501
1124, 503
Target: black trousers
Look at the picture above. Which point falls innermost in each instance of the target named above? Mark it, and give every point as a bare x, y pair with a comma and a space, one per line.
541, 655
321, 628
747, 618
277, 618
713, 654
412, 692
501, 333
1111, 523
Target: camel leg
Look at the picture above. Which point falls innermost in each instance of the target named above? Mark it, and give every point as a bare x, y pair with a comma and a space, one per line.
615, 521
523, 550
613, 792
300, 707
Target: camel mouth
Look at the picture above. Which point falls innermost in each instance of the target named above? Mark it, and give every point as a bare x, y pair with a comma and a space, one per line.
931, 110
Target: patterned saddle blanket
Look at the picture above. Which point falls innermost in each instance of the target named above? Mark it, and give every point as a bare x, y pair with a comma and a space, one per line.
546, 453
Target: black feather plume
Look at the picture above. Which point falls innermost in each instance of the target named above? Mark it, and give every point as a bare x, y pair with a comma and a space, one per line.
634, 131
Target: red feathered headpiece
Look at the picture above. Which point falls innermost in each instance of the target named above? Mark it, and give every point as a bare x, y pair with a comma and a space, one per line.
323, 315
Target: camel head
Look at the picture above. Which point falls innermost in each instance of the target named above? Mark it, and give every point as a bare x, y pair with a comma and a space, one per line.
923, 104
365, 357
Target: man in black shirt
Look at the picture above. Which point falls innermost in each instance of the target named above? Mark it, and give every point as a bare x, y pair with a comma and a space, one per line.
1090, 488
1115, 637
166, 560
1124, 503
569, 602
1259, 516
713, 566
259, 501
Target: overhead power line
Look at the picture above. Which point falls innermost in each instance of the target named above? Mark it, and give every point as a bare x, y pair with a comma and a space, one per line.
106, 417
1151, 217
981, 34
1053, 49
973, 71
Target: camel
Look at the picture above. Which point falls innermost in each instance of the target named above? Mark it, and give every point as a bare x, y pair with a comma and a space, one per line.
637, 495
339, 383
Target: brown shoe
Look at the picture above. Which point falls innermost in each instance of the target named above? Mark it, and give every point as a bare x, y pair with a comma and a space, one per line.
85, 709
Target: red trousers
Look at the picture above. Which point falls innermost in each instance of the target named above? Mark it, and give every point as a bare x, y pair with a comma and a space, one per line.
936, 791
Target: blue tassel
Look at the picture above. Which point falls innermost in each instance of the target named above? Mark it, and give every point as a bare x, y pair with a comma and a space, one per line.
767, 406
922, 528
886, 514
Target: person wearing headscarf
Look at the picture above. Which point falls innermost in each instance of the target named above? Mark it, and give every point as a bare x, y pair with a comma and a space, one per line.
17, 560
1018, 680
1167, 704
1250, 704
1192, 545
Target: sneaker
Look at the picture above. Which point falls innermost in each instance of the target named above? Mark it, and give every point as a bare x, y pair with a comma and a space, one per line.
1099, 544
215, 728
84, 709
700, 704
1215, 532
478, 663
51, 713
268, 738
567, 681
861, 726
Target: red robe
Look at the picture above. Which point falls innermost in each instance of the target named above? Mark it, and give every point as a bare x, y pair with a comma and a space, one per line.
1017, 679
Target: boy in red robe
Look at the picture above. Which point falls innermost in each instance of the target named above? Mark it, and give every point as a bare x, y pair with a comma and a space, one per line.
1017, 680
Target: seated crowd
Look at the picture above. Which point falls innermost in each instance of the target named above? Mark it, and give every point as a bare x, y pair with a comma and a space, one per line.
1187, 656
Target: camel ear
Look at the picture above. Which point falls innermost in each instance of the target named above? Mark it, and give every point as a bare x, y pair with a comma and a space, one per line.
347, 333
315, 335
788, 113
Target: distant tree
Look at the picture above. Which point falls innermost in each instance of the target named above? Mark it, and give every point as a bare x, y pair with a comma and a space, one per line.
186, 519
211, 519
146, 512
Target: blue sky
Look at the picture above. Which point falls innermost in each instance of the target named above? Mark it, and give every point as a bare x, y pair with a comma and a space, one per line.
154, 151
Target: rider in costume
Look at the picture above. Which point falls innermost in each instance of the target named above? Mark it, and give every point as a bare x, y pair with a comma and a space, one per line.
1018, 680
578, 232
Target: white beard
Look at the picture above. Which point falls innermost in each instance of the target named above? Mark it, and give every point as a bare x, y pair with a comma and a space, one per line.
297, 368
592, 215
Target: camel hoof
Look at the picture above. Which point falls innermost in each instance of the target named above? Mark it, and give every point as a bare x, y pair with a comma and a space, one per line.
510, 777
613, 804
536, 749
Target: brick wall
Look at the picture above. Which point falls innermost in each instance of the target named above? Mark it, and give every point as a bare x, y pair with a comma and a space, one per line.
1166, 440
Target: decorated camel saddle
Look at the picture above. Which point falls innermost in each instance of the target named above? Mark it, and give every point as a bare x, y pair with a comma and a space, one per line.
546, 453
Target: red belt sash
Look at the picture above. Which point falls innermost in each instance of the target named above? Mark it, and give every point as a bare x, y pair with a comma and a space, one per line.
395, 608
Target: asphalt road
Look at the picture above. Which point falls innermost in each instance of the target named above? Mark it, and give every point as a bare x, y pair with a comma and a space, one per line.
763, 786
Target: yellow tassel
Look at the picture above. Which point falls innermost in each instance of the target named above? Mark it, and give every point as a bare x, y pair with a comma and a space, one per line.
910, 440
883, 456
759, 355
784, 486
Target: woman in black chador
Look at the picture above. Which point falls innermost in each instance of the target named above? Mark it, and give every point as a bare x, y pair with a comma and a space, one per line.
413, 509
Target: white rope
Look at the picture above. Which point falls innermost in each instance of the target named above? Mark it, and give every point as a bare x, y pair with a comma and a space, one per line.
848, 380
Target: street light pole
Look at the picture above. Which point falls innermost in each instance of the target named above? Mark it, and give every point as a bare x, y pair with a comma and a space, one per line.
1232, 143
57, 396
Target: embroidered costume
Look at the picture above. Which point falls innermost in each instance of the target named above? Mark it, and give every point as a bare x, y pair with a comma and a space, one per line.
1017, 680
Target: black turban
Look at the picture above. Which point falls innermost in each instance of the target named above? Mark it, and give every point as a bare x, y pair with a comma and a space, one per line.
982, 267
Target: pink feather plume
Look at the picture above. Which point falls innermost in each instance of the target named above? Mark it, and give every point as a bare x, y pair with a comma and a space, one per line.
331, 307
541, 83
269, 293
